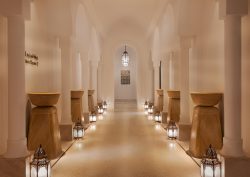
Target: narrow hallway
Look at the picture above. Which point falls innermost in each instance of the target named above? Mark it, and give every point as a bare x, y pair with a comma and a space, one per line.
125, 144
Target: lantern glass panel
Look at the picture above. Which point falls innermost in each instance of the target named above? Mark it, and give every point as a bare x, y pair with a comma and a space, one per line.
158, 118
100, 110
209, 171
172, 131
78, 131
150, 110
43, 171
92, 118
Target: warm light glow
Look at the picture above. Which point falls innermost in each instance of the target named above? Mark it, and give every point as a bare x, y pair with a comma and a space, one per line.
172, 145
78, 145
93, 127
150, 117
157, 127
100, 117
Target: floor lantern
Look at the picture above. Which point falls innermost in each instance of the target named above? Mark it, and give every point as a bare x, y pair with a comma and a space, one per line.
210, 164
172, 130
40, 165
78, 130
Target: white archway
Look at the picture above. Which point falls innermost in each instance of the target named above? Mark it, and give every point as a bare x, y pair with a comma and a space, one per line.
125, 91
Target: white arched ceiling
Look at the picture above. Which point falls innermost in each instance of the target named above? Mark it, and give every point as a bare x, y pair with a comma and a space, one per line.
189, 15
156, 46
167, 30
58, 13
82, 31
94, 50
102, 13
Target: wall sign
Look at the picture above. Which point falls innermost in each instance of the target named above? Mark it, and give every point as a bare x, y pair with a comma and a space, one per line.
31, 59
125, 77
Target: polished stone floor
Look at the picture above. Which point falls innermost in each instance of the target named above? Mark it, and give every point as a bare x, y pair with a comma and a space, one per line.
125, 144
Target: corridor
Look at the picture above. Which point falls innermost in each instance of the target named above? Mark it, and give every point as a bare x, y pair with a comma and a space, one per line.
125, 144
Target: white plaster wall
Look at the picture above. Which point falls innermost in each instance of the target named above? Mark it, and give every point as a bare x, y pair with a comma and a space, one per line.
39, 41
125, 92
3, 85
77, 72
207, 59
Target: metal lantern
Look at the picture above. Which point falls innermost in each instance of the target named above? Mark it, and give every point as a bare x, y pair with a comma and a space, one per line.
78, 131
125, 58
210, 165
40, 165
146, 105
105, 105
172, 130
158, 117
100, 110
92, 117
150, 109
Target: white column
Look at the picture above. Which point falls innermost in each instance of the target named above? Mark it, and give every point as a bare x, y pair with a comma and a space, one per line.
184, 81
171, 72
156, 79
165, 82
17, 142
77, 72
66, 55
93, 78
232, 141
85, 81
99, 85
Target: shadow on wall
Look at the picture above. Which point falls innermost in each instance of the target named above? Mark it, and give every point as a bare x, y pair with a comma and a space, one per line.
28, 113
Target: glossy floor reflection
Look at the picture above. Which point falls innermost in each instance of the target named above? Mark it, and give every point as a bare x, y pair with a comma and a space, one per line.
125, 144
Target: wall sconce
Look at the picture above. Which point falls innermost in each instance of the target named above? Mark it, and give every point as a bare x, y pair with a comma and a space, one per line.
78, 131
100, 110
172, 130
40, 165
158, 117
92, 117
210, 165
